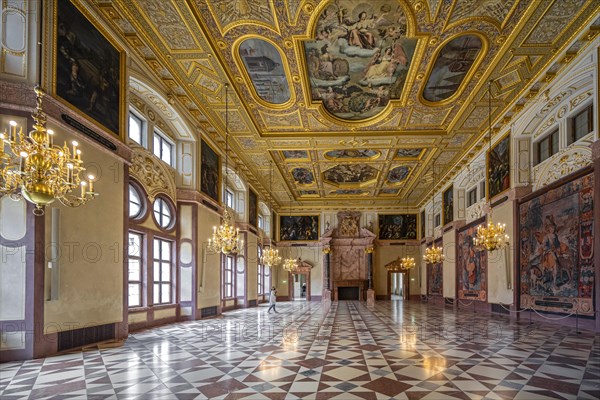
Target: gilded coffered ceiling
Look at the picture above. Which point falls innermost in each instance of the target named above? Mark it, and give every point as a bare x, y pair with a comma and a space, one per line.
352, 99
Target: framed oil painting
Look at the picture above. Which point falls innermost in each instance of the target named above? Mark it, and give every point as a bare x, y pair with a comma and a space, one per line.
448, 205
210, 171
556, 248
498, 167
253, 208
398, 226
471, 265
88, 69
298, 227
435, 276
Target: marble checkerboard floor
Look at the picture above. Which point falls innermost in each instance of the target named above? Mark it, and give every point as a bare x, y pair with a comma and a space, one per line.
395, 350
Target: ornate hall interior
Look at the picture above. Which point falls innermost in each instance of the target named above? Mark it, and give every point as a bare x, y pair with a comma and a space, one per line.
299, 199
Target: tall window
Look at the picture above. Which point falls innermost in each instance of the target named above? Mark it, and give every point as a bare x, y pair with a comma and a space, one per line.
472, 197
136, 126
261, 222
261, 273
481, 190
162, 213
162, 272
134, 269
163, 148
228, 278
437, 219
266, 279
581, 124
547, 147
228, 198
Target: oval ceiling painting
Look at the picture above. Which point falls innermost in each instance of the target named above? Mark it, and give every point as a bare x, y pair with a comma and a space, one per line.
398, 174
451, 66
265, 69
360, 57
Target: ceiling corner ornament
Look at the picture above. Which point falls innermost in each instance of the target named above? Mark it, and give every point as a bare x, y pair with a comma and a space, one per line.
491, 237
152, 174
40, 171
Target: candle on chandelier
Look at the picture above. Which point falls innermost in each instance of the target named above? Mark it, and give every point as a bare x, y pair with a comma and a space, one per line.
13, 134
70, 173
2, 136
22, 161
83, 185
91, 178
75, 144
50, 137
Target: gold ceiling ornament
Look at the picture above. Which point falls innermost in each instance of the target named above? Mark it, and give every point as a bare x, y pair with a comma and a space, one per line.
327, 250
290, 264
37, 170
226, 238
493, 236
433, 254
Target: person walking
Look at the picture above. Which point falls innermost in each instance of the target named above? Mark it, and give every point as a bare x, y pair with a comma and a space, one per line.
272, 299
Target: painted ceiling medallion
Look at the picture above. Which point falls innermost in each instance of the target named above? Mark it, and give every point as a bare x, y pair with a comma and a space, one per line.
398, 174
350, 174
303, 176
360, 57
350, 154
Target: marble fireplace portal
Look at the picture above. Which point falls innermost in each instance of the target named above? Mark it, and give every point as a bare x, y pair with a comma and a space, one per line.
348, 261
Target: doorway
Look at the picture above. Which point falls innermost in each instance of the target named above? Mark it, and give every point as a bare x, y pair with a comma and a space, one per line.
397, 286
299, 291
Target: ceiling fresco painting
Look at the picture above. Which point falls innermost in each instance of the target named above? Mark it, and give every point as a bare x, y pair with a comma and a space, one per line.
360, 57
352, 154
295, 155
451, 66
409, 153
350, 96
350, 173
303, 176
265, 69
398, 174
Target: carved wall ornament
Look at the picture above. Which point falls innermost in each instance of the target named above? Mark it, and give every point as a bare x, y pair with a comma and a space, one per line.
563, 163
554, 101
348, 224
580, 98
475, 211
153, 175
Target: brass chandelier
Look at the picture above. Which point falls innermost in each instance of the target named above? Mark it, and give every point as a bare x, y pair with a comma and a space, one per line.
39, 171
290, 264
270, 256
400, 265
433, 254
226, 238
491, 237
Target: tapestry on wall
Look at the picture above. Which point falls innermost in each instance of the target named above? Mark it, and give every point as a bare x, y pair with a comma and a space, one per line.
556, 249
471, 265
435, 277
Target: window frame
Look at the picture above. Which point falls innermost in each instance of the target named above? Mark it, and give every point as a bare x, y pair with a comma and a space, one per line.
229, 194
228, 264
143, 127
551, 150
163, 138
169, 264
437, 220
172, 213
143, 201
142, 267
572, 137
475, 199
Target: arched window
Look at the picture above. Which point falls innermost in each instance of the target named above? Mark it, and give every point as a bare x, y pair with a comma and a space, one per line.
163, 213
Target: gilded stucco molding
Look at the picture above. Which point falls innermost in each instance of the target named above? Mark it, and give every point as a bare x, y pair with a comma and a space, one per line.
153, 174
562, 164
